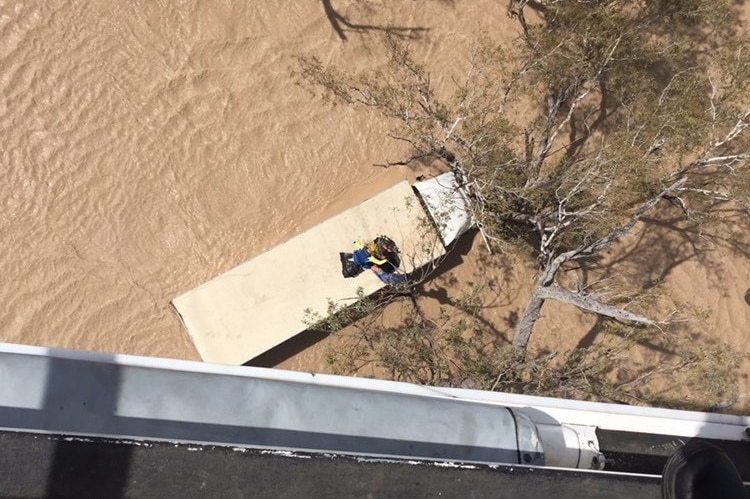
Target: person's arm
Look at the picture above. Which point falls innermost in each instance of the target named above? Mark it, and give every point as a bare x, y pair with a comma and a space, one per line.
376, 261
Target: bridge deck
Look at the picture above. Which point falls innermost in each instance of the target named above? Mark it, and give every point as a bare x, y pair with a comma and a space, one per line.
35, 465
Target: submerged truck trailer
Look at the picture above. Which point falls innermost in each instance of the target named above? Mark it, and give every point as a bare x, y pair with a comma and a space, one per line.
269, 299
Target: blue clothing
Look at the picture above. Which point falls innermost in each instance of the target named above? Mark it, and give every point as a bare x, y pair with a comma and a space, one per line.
361, 257
392, 279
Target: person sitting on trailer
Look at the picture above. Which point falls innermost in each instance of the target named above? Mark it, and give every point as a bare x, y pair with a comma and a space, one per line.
369, 257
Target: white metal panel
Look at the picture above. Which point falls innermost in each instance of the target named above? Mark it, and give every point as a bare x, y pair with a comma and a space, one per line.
447, 204
89, 395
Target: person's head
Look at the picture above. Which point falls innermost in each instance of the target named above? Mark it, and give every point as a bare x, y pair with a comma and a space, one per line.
372, 248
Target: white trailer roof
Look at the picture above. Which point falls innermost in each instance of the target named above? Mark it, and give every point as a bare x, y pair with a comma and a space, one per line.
261, 303
448, 205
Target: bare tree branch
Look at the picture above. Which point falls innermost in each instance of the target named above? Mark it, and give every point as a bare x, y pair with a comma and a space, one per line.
620, 231
591, 304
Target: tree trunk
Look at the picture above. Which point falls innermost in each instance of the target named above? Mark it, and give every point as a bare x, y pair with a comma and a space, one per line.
543, 289
534, 308
527, 321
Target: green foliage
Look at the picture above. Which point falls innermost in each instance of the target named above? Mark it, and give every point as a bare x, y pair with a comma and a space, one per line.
563, 144
712, 371
338, 316
456, 350
623, 93
703, 378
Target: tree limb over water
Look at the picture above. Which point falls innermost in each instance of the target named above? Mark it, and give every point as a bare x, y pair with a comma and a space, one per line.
608, 110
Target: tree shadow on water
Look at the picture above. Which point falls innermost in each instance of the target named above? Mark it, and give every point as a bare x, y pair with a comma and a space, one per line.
341, 25
599, 328
665, 242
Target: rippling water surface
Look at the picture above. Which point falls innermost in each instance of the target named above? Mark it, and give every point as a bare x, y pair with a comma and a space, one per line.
149, 145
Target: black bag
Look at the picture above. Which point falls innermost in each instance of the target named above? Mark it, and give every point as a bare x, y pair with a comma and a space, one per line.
348, 267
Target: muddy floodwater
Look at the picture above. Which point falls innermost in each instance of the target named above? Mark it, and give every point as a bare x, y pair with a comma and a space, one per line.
148, 146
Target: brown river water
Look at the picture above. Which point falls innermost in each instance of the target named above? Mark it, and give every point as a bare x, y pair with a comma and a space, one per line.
149, 145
